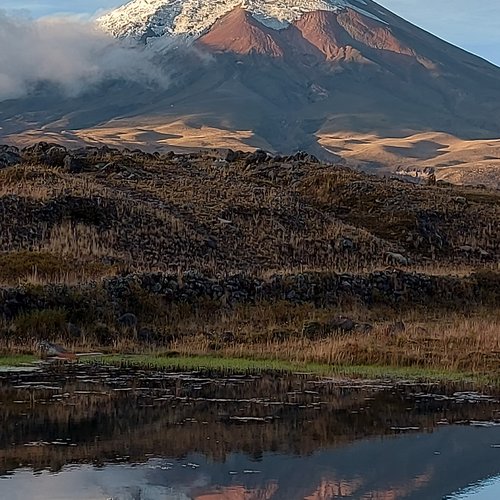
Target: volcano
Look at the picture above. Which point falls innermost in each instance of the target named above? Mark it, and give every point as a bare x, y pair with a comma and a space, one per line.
337, 78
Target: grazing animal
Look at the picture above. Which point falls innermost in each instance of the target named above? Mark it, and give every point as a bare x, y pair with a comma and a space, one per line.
128, 320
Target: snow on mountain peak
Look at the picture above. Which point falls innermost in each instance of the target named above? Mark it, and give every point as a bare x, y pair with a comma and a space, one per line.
140, 18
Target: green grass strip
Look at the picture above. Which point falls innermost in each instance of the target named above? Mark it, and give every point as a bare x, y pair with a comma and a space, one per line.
244, 365
256, 365
17, 360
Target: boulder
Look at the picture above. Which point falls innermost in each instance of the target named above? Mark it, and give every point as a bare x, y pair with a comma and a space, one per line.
257, 157
396, 259
145, 335
47, 153
312, 329
11, 308
55, 156
304, 156
347, 244
363, 327
342, 324
74, 331
103, 334
229, 155
228, 337
9, 156
72, 164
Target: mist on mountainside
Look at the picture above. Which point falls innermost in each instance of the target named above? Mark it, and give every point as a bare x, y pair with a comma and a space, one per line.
71, 54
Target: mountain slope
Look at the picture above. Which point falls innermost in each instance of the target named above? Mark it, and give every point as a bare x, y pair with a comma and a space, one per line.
239, 33
288, 75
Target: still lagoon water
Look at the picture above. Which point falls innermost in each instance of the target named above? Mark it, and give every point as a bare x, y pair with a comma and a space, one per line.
98, 433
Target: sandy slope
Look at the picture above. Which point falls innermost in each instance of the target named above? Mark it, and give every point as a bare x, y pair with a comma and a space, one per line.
149, 135
454, 159
177, 134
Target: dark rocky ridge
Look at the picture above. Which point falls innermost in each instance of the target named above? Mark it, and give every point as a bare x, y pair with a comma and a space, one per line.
394, 287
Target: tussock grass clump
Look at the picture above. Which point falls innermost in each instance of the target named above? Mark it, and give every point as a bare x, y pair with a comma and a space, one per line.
16, 266
46, 267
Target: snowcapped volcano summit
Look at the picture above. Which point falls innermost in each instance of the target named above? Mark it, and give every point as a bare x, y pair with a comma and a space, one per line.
143, 18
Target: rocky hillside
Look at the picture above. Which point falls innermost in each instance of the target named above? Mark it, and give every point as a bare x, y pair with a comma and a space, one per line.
130, 245
228, 211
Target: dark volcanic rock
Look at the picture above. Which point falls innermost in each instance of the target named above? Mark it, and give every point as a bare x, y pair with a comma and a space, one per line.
9, 155
128, 320
46, 153
345, 325
257, 157
72, 164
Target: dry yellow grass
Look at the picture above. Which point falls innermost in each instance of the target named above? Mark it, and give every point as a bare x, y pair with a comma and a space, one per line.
468, 345
159, 213
265, 226
456, 160
451, 342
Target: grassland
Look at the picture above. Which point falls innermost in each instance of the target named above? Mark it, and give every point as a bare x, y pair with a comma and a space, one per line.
453, 348
242, 365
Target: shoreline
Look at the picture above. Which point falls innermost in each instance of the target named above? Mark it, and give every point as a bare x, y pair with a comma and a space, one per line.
243, 365
297, 339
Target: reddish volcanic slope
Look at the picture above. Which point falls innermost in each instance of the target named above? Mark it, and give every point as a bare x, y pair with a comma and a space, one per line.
240, 33
371, 33
327, 35
322, 30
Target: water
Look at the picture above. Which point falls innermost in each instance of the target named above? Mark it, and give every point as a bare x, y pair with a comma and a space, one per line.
91, 433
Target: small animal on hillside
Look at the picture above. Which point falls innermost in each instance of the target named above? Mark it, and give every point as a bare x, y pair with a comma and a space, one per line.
56, 352
396, 259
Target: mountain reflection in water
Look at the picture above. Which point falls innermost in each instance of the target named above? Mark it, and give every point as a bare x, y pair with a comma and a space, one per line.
89, 433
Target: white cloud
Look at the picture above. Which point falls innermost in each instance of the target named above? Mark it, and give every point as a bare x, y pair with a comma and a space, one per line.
46, 7
67, 52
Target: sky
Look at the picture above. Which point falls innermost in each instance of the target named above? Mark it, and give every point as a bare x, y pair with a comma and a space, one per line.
472, 25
